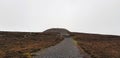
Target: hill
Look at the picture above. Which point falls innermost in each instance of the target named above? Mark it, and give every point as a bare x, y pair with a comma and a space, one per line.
98, 45
21, 44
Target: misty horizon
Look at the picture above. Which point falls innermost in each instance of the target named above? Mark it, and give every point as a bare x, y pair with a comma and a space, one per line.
86, 16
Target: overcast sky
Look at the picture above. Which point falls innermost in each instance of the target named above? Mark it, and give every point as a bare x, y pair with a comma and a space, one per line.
91, 16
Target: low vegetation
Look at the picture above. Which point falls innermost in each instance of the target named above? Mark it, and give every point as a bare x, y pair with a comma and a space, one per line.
99, 46
22, 44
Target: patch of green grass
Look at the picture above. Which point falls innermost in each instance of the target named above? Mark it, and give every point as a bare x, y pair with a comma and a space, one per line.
27, 55
75, 42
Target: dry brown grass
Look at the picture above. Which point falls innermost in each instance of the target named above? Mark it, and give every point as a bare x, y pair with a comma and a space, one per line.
18, 44
99, 46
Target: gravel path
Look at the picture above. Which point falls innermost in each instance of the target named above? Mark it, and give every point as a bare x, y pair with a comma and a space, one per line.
65, 49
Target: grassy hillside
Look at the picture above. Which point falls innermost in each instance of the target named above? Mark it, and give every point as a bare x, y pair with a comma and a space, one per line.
99, 46
21, 44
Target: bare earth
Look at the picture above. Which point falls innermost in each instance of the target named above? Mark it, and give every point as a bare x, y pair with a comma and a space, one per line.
65, 49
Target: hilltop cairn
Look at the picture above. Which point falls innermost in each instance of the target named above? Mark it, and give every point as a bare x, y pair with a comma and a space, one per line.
62, 31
